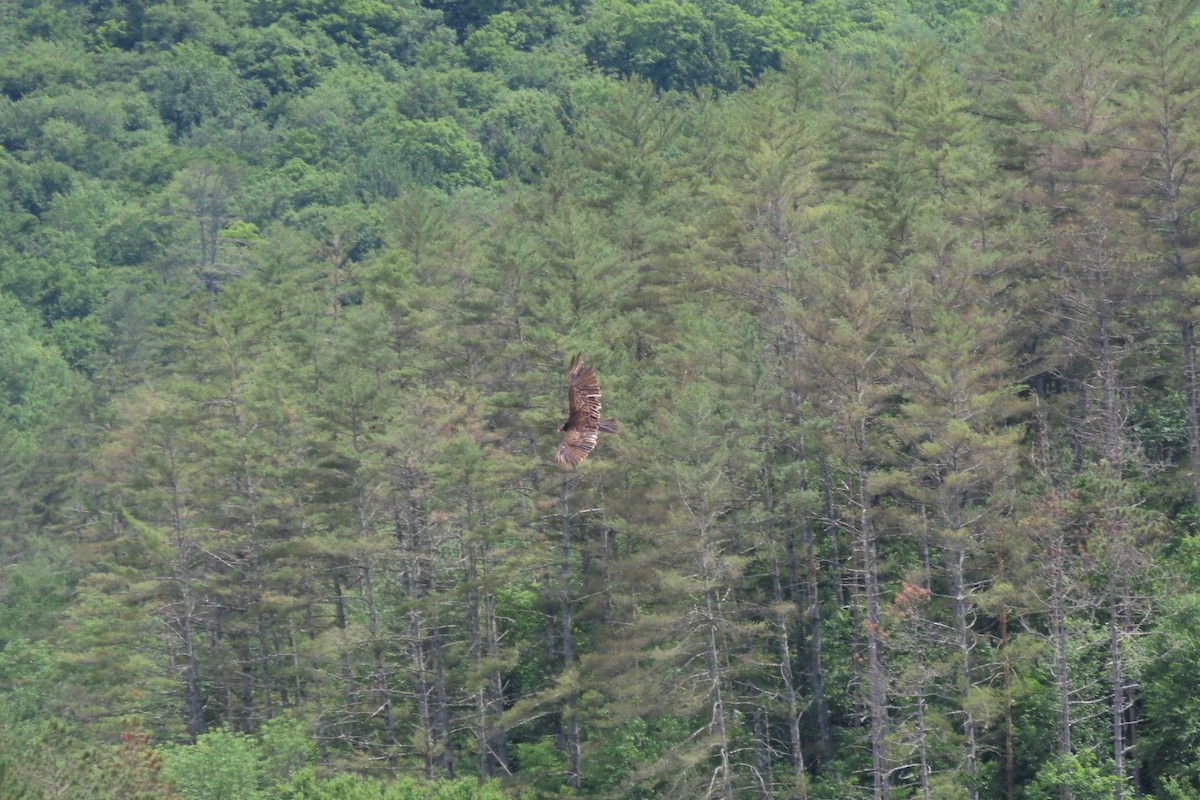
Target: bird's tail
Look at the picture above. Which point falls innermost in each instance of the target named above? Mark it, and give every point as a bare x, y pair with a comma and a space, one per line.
609, 426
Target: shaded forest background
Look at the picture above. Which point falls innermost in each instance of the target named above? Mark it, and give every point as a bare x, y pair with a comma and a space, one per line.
896, 303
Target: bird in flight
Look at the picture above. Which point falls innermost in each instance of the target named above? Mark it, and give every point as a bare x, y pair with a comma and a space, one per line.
579, 431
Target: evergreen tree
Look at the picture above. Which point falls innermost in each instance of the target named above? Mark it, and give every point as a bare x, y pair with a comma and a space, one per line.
1163, 94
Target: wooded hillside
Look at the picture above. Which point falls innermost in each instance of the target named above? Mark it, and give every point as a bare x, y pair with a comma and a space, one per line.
896, 304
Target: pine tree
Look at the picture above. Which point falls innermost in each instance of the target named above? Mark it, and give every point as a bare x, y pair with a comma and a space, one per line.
1164, 100
847, 355
957, 423
155, 527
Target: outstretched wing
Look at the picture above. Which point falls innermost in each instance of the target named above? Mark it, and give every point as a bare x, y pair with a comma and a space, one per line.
579, 431
576, 444
583, 395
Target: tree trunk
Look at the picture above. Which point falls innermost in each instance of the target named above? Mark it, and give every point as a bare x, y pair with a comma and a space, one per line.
1010, 778
475, 649
877, 689
441, 698
1116, 674
349, 728
1192, 392
812, 613
416, 638
379, 680
956, 557
789, 687
570, 721
184, 620
923, 744
839, 585
1058, 634
717, 697
498, 737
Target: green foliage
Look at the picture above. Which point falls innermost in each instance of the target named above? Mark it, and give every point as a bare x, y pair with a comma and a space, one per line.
34, 596
626, 751
514, 131
1172, 738
193, 86
673, 45
428, 153
308, 786
284, 61
286, 747
34, 378
1174, 789
1081, 773
12, 784
892, 303
42, 64
42, 758
541, 761
220, 764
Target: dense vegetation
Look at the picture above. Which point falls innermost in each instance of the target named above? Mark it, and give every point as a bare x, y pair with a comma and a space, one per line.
896, 304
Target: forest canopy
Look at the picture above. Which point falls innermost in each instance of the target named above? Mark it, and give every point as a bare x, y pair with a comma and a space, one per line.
896, 304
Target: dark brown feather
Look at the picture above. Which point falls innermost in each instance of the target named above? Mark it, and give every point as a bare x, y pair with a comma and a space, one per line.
583, 420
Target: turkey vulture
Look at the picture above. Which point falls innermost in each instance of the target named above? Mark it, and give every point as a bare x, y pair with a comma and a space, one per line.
579, 431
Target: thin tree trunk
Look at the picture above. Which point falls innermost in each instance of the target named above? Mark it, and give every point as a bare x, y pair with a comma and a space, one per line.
789, 687
839, 585
192, 695
193, 698
417, 655
339, 605
262, 624
717, 695
877, 693
1109, 391
957, 556
475, 649
498, 737
441, 697
815, 664
266, 653
922, 742
379, 681
426, 646
1116, 674
1113, 452
762, 749
1010, 778
1058, 633
570, 721
1130, 707
1192, 391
